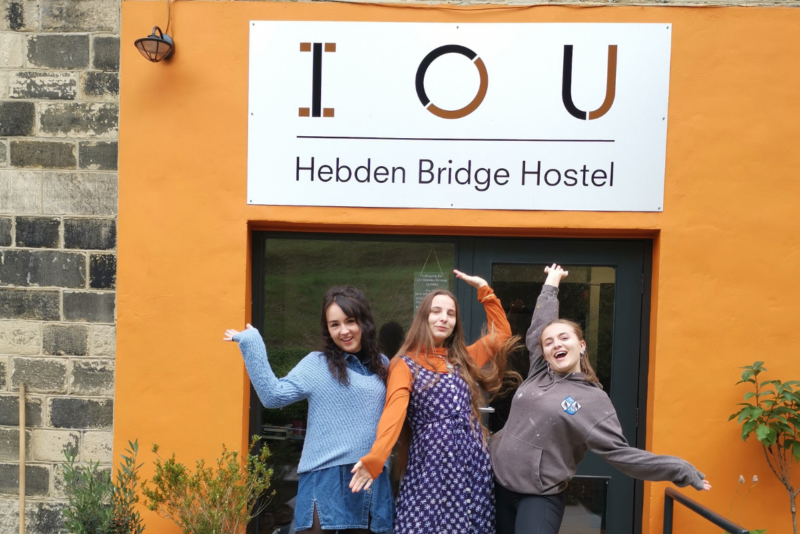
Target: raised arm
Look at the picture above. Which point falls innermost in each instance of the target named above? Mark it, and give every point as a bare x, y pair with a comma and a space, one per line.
607, 441
274, 392
545, 312
496, 320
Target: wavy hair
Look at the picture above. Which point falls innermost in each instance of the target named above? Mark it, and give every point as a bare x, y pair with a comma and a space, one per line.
354, 304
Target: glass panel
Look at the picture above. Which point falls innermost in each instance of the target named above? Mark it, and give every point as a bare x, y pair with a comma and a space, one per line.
392, 274
586, 506
586, 296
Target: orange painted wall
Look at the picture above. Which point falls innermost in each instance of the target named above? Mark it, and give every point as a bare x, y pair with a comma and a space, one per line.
726, 246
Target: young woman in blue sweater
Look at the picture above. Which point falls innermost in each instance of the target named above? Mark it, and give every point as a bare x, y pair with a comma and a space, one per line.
345, 385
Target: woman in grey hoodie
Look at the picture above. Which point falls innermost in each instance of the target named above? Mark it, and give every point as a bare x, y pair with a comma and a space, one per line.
558, 413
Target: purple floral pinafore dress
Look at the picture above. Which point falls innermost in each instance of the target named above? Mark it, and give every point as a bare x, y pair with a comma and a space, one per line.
448, 487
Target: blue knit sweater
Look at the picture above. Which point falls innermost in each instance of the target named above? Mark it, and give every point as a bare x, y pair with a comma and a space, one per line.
342, 420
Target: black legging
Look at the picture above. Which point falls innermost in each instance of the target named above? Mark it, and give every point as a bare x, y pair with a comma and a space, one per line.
518, 513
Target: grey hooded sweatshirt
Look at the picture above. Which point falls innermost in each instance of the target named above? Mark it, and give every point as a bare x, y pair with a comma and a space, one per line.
555, 419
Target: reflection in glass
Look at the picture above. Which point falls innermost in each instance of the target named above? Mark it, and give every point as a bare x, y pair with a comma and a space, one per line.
297, 273
586, 505
586, 296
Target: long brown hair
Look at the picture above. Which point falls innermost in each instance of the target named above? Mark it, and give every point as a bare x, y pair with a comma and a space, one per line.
586, 368
419, 344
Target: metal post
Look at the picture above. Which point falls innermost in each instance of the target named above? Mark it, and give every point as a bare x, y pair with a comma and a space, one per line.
669, 504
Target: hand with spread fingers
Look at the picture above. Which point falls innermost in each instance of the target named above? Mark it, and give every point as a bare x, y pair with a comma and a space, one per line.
230, 332
361, 479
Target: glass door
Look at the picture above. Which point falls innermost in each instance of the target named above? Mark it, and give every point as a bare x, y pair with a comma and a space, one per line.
603, 293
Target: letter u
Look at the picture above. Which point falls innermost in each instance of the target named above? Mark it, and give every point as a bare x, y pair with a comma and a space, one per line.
611, 86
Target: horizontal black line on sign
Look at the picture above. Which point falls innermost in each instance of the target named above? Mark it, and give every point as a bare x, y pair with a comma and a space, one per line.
455, 139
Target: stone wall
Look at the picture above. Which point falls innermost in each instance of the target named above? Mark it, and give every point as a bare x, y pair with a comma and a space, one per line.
59, 116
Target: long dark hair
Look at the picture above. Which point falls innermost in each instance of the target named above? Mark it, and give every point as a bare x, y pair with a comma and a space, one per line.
419, 343
354, 304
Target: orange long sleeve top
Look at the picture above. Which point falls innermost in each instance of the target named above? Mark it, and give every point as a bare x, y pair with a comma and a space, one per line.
399, 383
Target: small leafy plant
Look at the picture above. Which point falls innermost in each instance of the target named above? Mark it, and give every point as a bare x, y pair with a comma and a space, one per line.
773, 415
97, 503
208, 500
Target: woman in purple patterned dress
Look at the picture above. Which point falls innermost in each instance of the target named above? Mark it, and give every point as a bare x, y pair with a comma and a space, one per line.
434, 395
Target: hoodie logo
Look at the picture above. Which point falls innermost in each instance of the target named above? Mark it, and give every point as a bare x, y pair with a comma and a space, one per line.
570, 405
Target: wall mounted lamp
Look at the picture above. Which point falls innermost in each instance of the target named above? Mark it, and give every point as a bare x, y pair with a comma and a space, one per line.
156, 46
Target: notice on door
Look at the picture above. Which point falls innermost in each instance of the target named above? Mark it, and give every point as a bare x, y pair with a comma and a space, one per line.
424, 283
531, 116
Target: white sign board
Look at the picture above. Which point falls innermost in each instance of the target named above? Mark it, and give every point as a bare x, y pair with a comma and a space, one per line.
486, 116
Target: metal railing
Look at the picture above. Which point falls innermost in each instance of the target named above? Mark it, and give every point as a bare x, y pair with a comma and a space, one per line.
671, 495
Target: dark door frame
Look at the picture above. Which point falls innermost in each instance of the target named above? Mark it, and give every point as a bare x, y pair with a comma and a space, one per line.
464, 259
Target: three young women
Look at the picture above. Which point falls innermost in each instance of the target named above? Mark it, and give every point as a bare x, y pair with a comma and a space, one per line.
434, 387
558, 413
345, 385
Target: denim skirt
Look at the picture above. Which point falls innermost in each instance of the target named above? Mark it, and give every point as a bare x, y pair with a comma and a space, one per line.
338, 507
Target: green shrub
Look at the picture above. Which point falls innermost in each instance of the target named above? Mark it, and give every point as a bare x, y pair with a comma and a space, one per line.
208, 500
98, 504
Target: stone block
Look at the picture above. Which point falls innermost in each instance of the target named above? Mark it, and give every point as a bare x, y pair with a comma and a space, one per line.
103, 271
37, 480
38, 232
3, 372
9, 444
49, 445
92, 378
68, 412
91, 307
5, 231
41, 517
105, 53
12, 50
20, 191
43, 154
104, 341
79, 15
43, 268
20, 337
97, 447
78, 119
79, 193
90, 234
43, 85
33, 304
9, 410
3, 84
3, 149
17, 118
58, 51
100, 85
97, 155
44, 517
65, 339
40, 375
19, 15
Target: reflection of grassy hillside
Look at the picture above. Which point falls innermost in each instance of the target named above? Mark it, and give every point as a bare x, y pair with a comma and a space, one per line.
299, 271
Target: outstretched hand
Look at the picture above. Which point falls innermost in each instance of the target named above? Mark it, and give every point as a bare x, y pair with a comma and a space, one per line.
361, 478
474, 281
706, 485
230, 332
555, 273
